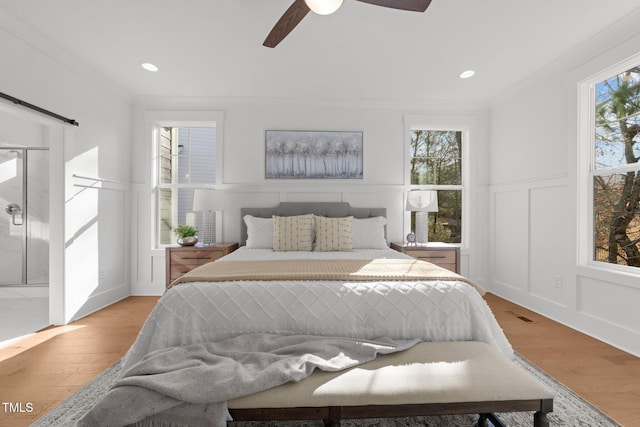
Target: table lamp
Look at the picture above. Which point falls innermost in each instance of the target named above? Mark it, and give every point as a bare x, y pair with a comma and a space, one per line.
422, 202
208, 202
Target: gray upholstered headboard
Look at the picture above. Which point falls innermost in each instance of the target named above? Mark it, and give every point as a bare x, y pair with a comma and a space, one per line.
330, 209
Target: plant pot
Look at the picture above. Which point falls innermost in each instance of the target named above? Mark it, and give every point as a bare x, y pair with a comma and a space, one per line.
188, 241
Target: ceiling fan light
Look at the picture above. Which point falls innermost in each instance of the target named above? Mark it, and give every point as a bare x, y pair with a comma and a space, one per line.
323, 7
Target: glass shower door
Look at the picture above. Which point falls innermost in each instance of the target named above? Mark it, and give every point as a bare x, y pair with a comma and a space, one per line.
36, 219
12, 200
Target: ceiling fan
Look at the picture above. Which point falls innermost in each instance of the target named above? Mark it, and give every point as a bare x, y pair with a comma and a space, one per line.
300, 8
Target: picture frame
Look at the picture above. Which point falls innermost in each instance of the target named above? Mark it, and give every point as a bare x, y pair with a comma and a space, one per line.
293, 154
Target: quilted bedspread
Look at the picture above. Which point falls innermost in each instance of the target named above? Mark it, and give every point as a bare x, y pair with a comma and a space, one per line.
401, 310
319, 269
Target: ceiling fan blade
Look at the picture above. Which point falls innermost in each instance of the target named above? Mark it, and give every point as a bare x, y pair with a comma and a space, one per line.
411, 5
287, 23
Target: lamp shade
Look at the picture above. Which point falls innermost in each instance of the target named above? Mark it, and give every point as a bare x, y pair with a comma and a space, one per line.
323, 7
208, 200
422, 201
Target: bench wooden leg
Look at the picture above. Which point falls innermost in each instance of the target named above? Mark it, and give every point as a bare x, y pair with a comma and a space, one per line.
540, 419
497, 422
335, 415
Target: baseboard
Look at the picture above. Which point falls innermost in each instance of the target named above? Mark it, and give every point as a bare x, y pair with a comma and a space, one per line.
99, 301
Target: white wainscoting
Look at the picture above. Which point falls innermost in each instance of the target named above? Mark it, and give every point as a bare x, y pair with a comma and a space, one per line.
549, 251
529, 239
607, 303
534, 264
619, 308
510, 240
98, 242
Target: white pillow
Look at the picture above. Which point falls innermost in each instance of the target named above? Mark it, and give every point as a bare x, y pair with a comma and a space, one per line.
368, 233
259, 232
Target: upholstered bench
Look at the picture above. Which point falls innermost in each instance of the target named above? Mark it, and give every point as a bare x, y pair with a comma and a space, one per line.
431, 378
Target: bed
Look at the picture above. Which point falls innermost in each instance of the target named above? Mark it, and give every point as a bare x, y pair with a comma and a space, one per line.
455, 310
297, 275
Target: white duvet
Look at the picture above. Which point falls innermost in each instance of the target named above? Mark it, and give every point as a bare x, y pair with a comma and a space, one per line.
427, 310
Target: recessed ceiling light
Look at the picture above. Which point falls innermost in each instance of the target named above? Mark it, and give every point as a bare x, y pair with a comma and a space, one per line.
467, 74
149, 67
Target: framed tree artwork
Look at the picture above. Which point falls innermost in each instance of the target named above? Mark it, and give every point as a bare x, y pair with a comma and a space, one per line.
313, 154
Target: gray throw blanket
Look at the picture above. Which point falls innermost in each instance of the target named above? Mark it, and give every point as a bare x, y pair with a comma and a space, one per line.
190, 385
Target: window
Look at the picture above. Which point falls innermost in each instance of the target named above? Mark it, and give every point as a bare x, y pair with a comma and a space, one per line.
435, 163
614, 170
186, 155
187, 160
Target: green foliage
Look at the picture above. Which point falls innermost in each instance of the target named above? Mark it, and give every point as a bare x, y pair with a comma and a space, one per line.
440, 232
436, 157
186, 231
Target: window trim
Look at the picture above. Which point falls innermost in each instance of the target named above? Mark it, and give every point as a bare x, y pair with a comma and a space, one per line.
587, 170
159, 119
441, 123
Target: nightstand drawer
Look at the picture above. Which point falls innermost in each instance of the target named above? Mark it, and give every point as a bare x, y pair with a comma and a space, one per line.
179, 270
434, 256
442, 254
448, 265
195, 257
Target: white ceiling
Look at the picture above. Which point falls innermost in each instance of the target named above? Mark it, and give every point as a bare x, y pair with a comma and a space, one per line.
214, 47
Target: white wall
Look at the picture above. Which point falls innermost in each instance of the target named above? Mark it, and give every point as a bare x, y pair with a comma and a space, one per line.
534, 204
245, 122
89, 246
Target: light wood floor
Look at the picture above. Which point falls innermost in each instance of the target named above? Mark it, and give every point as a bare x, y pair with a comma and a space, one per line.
49, 366
46, 368
603, 375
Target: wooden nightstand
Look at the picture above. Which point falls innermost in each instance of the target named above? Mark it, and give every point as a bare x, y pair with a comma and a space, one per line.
181, 259
442, 254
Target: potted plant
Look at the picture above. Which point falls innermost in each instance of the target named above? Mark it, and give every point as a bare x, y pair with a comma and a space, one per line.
187, 235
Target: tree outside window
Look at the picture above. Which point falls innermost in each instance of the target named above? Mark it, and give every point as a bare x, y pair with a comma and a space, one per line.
436, 163
616, 171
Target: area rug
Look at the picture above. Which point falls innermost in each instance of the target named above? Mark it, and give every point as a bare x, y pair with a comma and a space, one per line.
569, 410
